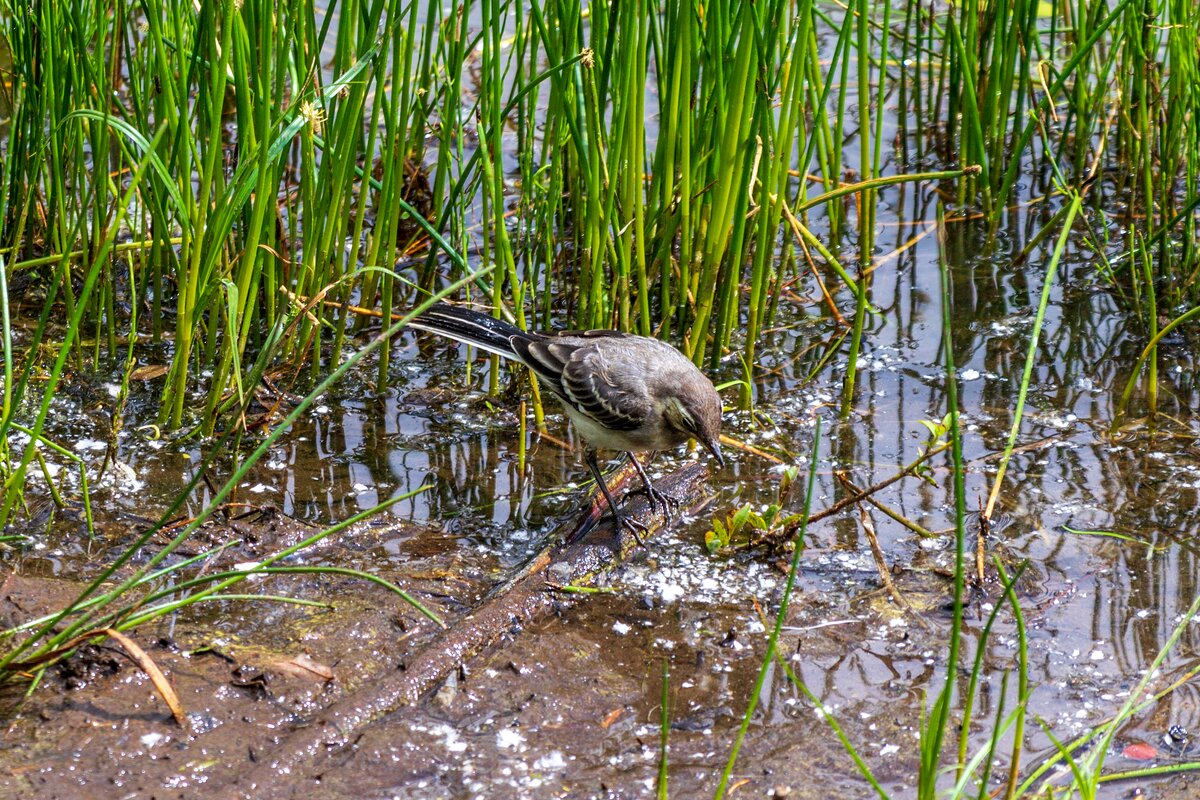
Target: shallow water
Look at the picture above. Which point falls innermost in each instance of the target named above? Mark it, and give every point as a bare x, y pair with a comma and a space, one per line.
1097, 608
571, 706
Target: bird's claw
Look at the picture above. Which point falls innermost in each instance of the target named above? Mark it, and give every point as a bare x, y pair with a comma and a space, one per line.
665, 501
635, 527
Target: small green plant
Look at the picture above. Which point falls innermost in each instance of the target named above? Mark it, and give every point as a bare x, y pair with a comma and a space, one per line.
938, 430
768, 523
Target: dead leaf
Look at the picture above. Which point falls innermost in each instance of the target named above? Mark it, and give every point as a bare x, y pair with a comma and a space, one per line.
149, 372
156, 676
303, 666
612, 717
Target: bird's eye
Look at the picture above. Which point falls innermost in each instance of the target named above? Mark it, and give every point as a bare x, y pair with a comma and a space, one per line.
679, 417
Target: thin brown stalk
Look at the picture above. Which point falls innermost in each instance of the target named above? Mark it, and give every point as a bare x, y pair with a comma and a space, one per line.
889, 511
885, 575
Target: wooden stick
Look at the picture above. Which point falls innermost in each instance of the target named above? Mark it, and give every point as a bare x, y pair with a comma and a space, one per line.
523, 599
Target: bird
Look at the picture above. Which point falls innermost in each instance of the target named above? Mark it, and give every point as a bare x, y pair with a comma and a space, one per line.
622, 391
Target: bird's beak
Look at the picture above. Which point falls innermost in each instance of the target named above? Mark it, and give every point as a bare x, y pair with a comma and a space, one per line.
714, 447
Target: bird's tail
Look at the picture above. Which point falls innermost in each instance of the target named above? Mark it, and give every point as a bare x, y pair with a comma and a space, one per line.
469, 327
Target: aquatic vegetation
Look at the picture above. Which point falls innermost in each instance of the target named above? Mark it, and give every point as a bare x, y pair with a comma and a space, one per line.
209, 197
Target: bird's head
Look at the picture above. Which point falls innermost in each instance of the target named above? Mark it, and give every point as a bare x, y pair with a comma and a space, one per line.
694, 409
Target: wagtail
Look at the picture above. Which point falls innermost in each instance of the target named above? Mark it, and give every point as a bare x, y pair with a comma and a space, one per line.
622, 391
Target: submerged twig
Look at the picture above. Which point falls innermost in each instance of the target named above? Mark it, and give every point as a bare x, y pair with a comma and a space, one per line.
881, 565
892, 513
787, 532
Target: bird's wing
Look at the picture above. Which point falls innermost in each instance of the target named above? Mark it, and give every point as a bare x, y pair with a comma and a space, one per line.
545, 361
591, 382
547, 354
574, 367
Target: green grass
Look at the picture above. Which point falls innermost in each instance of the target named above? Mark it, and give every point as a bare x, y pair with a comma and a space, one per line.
272, 157
947, 766
225, 180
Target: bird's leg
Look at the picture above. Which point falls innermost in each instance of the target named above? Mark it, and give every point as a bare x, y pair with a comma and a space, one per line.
664, 500
631, 525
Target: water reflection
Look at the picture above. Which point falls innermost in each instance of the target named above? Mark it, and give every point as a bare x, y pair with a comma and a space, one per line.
1099, 608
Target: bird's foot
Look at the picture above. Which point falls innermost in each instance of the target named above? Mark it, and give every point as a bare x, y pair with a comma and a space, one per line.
635, 527
667, 502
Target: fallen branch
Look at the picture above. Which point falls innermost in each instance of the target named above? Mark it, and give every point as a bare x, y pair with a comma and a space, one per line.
517, 603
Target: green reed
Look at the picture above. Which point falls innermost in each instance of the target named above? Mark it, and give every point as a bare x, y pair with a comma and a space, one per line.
1108, 90
939, 722
292, 146
798, 545
664, 226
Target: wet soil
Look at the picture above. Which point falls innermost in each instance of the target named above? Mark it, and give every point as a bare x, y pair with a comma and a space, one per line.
572, 706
